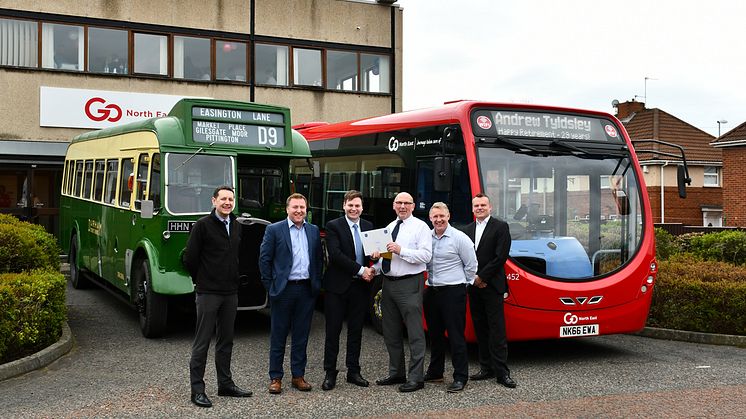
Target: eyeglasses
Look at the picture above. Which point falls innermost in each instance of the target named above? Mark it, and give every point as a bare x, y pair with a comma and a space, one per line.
403, 203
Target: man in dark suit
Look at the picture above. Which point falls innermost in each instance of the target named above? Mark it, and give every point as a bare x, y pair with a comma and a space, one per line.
211, 257
290, 264
491, 239
346, 289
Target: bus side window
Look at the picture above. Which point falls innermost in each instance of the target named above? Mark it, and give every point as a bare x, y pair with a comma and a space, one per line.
140, 187
110, 190
125, 188
88, 179
78, 191
98, 180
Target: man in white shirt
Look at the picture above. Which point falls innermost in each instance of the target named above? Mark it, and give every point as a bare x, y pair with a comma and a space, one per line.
401, 304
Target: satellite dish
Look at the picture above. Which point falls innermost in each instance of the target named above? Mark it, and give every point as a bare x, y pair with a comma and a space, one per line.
615, 103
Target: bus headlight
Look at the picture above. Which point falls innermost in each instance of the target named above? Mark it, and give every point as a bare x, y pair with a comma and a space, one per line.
166, 235
644, 288
649, 280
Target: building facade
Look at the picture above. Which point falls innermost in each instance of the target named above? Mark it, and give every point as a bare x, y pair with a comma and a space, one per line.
703, 205
733, 145
69, 66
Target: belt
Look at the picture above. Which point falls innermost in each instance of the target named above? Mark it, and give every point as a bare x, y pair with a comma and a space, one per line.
398, 278
298, 281
445, 287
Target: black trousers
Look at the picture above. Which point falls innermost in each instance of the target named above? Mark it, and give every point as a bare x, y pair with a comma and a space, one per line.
351, 305
489, 325
445, 310
215, 314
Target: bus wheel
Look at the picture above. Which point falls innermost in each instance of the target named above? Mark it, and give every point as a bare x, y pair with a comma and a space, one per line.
152, 307
76, 277
376, 295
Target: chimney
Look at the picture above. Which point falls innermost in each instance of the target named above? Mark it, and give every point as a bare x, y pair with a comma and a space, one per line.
626, 109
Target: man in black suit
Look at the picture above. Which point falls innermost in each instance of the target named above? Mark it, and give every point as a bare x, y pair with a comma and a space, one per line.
491, 239
346, 285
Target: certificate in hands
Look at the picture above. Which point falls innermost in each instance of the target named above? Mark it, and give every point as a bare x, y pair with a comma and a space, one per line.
375, 240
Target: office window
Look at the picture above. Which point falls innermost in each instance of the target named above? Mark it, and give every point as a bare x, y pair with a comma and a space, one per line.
191, 58
107, 51
151, 54
230, 61
341, 70
19, 43
376, 73
307, 67
712, 176
271, 65
62, 46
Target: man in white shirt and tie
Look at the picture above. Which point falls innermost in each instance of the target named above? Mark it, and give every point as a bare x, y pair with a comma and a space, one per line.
401, 304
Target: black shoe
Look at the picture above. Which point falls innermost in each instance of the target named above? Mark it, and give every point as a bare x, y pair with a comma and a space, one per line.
410, 386
432, 378
506, 381
390, 380
456, 386
201, 400
357, 379
482, 375
330, 381
234, 391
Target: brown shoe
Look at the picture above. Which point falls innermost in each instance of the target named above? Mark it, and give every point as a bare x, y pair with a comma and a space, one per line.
275, 387
301, 384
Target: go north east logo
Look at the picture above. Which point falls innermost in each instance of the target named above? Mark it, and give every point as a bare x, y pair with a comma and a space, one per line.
110, 112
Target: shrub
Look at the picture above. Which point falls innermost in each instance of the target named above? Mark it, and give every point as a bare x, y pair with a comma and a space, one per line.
25, 246
700, 295
724, 246
666, 244
32, 311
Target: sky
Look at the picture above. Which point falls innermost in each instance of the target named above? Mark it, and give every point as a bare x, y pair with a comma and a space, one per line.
683, 57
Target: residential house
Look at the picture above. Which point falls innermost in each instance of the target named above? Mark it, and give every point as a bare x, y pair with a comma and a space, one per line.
733, 146
703, 205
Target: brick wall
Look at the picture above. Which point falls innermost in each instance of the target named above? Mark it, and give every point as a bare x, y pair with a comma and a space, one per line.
688, 210
734, 173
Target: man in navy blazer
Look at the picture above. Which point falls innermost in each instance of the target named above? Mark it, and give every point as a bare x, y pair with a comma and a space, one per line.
346, 289
290, 264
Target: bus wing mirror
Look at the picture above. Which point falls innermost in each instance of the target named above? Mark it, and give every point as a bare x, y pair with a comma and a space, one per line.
682, 180
442, 174
146, 209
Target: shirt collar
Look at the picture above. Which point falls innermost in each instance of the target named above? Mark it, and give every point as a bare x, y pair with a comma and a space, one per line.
487, 219
291, 224
447, 232
352, 223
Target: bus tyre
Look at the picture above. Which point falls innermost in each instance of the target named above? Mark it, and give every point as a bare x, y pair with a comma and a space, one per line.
152, 307
376, 295
78, 280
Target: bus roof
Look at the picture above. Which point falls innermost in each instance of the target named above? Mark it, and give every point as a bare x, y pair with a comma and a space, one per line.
171, 129
448, 113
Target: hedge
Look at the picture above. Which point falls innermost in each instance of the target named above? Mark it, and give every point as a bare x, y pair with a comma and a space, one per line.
25, 246
32, 311
699, 295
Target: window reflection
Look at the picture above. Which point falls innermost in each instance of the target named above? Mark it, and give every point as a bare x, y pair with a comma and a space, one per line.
62, 47
191, 58
107, 51
151, 54
307, 67
230, 60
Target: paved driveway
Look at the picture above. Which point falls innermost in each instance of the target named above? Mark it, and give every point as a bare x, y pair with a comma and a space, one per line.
114, 372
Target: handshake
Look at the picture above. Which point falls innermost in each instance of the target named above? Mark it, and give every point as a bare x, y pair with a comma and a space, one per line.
368, 274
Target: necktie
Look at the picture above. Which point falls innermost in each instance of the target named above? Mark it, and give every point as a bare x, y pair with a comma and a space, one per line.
228, 229
386, 264
359, 257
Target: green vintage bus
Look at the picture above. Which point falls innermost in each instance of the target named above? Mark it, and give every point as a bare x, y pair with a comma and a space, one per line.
131, 193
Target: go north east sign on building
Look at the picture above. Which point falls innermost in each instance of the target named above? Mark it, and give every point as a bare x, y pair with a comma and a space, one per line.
83, 108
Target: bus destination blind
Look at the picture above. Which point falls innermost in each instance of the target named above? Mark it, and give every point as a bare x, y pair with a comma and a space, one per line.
241, 130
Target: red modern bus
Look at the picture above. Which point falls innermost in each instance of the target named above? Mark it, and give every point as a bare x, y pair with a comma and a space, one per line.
568, 182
